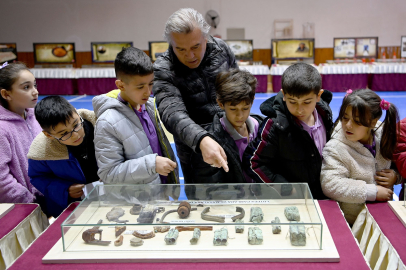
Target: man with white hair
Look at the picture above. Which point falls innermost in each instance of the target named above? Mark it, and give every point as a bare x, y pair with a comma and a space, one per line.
184, 86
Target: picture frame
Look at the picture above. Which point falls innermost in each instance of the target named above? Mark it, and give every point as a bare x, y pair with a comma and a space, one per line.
344, 47
54, 53
157, 48
106, 52
243, 49
366, 47
403, 47
8, 52
298, 48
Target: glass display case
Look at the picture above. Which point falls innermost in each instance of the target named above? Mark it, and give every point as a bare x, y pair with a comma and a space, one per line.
209, 217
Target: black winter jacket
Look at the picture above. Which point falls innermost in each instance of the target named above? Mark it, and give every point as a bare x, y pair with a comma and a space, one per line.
203, 173
186, 98
283, 151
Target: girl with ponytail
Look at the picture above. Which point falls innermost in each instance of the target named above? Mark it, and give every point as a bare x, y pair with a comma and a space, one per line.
357, 159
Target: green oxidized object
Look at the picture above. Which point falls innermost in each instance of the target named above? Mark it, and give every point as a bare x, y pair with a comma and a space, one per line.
171, 236
220, 237
292, 213
196, 236
255, 236
256, 214
297, 234
239, 228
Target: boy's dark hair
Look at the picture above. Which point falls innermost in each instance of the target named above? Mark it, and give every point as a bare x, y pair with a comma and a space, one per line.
53, 110
132, 61
366, 107
235, 86
301, 79
8, 75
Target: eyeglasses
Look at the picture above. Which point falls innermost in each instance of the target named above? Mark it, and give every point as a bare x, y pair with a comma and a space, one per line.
67, 136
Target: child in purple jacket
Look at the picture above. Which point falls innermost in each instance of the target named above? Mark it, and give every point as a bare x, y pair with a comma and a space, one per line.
18, 127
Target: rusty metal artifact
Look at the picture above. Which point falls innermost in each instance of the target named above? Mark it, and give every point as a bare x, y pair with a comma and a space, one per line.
210, 217
240, 216
120, 230
144, 234
114, 214
191, 228
119, 241
161, 229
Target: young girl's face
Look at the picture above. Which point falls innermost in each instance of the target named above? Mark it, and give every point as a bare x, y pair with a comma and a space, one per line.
24, 93
352, 130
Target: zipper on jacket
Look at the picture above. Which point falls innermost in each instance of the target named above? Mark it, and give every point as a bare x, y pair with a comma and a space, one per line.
161, 138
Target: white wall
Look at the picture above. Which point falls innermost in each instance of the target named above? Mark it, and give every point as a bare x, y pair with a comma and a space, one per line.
140, 21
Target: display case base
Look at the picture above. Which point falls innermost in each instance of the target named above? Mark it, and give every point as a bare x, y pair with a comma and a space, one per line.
328, 253
399, 209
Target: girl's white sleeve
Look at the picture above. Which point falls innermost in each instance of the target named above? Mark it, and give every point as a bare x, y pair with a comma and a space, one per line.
336, 182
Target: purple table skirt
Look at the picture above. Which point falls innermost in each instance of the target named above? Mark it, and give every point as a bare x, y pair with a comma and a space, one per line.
56, 86
15, 217
389, 82
96, 86
343, 82
276, 83
262, 86
350, 254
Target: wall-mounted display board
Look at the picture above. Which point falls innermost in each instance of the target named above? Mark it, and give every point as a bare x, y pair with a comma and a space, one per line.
293, 48
8, 52
157, 48
403, 47
54, 53
356, 47
242, 49
106, 52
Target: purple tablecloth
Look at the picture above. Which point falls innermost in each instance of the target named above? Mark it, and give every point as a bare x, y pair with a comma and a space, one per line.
56, 86
350, 254
388, 82
343, 82
262, 86
95, 86
276, 83
15, 217
390, 226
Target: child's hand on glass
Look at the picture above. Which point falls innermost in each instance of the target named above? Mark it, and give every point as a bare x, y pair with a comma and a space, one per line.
383, 194
76, 191
164, 165
386, 178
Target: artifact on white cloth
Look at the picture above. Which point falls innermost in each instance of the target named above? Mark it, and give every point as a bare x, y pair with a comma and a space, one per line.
136, 209
144, 234
119, 241
171, 236
239, 228
192, 228
292, 213
297, 234
120, 230
220, 237
255, 236
135, 241
240, 216
256, 214
114, 214
196, 236
161, 229
204, 216
148, 213
89, 236
276, 229
183, 211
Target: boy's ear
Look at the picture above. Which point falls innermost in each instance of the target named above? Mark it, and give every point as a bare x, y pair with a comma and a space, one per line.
283, 93
319, 95
120, 84
220, 104
47, 134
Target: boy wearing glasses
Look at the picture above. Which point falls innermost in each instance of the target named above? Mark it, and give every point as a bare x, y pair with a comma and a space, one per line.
61, 159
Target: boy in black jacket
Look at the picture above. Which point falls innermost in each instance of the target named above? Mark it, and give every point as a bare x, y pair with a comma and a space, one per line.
290, 141
233, 129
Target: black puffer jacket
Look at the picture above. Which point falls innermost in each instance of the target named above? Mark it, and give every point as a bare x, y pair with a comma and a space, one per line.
186, 98
283, 151
204, 173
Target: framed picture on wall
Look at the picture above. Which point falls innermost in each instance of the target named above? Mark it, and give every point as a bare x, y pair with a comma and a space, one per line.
8, 52
366, 47
243, 49
403, 47
157, 48
54, 53
293, 48
344, 47
106, 52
